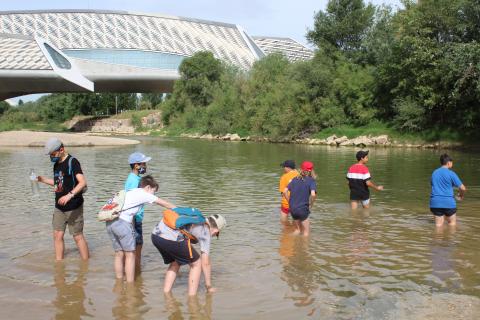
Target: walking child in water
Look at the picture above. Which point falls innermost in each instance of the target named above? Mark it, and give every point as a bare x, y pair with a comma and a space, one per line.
442, 200
289, 173
359, 180
301, 193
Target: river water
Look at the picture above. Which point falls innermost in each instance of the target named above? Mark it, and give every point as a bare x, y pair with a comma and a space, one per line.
388, 262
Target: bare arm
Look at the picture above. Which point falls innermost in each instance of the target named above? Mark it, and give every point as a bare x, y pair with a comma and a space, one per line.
164, 203
286, 194
45, 180
461, 192
372, 185
313, 196
82, 183
207, 272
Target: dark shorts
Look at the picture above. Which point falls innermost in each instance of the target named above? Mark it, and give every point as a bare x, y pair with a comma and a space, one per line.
300, 213
356, 195
440, 212
174, 250
138, 233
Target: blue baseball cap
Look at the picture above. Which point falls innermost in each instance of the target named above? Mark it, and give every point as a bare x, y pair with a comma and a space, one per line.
138, 157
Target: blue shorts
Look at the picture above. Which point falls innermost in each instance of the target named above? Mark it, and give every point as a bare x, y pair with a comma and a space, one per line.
138, 233
122, 235
300, 213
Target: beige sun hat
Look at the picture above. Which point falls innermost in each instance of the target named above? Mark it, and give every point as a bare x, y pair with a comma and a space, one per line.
219, 221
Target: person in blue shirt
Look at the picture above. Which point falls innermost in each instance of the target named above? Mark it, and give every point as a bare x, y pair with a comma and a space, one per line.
442, 199
300, 194
138, 164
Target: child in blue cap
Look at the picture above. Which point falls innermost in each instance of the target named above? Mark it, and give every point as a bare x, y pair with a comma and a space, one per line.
138, 164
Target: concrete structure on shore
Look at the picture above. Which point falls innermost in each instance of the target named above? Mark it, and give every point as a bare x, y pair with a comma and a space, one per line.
117, 51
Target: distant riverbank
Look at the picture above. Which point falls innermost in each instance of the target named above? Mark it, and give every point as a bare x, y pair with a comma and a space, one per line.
38, 139
337, 141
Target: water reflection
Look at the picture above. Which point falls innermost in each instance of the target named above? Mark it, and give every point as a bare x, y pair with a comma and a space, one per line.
443, 247
298, 267
70, 299
359, 243
196, 310
130, 301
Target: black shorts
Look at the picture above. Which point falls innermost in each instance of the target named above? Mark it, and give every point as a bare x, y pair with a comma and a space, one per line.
300, 213
174, 250
440, 212
356, 195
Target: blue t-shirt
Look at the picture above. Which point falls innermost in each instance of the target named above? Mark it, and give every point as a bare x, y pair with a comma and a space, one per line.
443, 181
133, 182
300, 190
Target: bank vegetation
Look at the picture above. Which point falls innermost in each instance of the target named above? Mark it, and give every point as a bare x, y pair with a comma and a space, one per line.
411, 73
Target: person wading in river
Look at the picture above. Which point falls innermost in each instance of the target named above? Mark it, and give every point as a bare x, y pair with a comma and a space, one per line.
301, 193
138, 165
359, 180
442, 200
68, 182
289, 173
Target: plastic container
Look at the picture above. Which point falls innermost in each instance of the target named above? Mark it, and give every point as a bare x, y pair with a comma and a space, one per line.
34, 182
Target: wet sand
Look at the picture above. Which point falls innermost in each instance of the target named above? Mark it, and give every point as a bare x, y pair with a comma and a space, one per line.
38, 139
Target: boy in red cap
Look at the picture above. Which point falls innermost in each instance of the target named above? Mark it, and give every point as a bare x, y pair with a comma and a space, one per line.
301, 193
359, 180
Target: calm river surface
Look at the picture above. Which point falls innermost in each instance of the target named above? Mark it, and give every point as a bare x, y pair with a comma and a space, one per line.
384, 263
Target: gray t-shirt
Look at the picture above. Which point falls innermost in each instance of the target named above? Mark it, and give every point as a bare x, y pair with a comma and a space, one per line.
202, 233
164, 231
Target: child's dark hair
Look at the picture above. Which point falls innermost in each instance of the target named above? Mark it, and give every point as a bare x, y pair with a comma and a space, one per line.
132, 165
444, 159
148, 181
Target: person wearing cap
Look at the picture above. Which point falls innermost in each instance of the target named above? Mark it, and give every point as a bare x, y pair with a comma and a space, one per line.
301, 193
359, 180
442, 200
175, 252
138, 165
121, 230
289, 173
68, 183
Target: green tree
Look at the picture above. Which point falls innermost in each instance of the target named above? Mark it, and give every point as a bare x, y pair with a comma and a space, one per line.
343, 26
4, 106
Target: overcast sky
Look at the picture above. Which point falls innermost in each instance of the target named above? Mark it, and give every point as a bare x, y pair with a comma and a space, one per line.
278, 18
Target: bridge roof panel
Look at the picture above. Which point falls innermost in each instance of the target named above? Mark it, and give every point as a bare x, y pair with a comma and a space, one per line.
21, 53
293, 50
89, 29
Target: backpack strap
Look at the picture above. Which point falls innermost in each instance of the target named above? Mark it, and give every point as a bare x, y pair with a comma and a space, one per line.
70, 171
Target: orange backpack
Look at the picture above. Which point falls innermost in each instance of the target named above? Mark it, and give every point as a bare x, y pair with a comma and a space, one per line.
180, 218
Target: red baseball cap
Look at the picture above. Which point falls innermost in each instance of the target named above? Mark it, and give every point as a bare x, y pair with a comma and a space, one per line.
307, 166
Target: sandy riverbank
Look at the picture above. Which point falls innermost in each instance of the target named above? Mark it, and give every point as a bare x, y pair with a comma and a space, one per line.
38, 139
